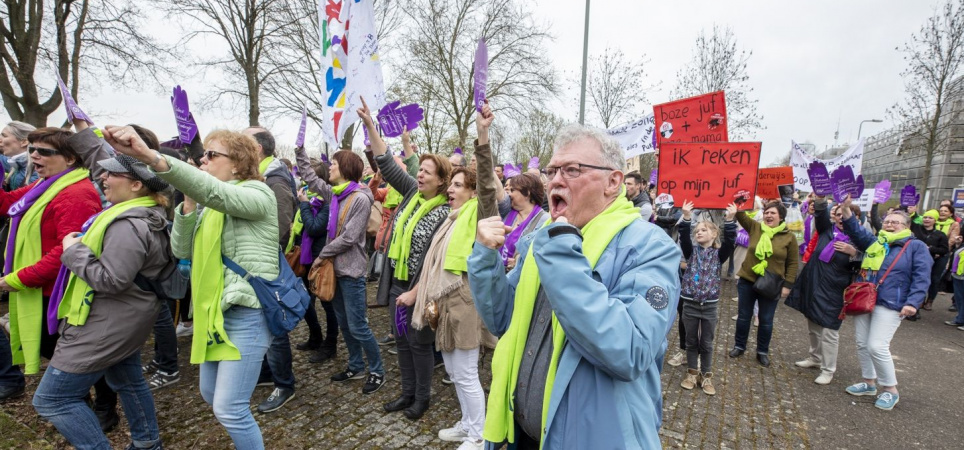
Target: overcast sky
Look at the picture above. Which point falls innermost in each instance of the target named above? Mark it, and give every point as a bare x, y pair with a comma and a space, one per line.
814, 63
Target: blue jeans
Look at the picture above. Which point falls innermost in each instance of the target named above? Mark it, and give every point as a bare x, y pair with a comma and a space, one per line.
10, 375
351, 309
958, 300
768, 309
60, 399
227, 385
277, 363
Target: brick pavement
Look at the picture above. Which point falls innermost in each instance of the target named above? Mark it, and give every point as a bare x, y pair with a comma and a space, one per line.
754, 407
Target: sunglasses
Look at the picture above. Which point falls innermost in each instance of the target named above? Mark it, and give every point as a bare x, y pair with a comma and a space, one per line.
120, 175
43, 151
211, 154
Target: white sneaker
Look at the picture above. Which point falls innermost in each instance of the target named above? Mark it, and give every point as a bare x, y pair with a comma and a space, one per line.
677, 359
455, 434
824, 378
469, 444
808, 364
184, 331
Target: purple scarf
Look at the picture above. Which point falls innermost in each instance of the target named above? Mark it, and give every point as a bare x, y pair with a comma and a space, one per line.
956, 264
333, 208
508, 249
306, 239
827, 253
401, 320
18, 209
60, 285
742, 238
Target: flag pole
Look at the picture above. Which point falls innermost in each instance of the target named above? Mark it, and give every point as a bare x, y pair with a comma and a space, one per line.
585, 57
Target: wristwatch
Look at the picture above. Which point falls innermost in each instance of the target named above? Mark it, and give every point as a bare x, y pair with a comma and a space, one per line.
157, 159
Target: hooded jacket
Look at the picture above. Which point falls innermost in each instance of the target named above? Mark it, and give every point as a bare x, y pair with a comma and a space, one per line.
122, 315
282, 183
907, 283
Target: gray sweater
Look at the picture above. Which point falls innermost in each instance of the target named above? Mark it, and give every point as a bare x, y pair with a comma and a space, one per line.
348, 246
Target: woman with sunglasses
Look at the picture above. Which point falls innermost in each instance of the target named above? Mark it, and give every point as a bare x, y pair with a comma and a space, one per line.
42, 214
108, 307
227, 212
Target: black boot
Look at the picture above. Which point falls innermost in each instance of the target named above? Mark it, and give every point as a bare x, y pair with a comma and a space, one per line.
763, 359
399, 403
108, 418
736, 352
417, 409
310, 344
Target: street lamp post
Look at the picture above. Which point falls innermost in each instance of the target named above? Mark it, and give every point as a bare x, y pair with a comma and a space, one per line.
585, 58
860, 128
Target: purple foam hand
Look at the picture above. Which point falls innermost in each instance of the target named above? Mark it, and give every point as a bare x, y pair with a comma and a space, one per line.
909, 196
394, 119
882, 192
842, 183
413, 114
300, 140
653, 177
510, 171
174, 144
858, 187
186, 125
73, 111
533, 163
458, 151
481, 69
819, 178
324, 159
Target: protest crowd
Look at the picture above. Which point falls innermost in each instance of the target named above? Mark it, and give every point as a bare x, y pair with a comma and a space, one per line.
115, 239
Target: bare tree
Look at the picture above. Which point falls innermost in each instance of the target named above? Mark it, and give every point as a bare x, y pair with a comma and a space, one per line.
718, 64
97, 38
934, 56
252, 29
536, 135
616, 87
439, 71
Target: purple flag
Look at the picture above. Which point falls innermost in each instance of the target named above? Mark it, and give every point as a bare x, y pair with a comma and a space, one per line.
367, 141
481, 74
395, 119
458, 151
882, 191
819, 178
510, 170
73, 111
174, 144
186, 126
909, 196
653, 176
534, 163
300, 141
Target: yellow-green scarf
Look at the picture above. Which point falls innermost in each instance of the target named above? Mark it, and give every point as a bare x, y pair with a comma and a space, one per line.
26, 304
393, 198
78, 296
463, 236
500, 420
264, 164
764, 248
875, 254
405, 225
296, 226
944, 226
210, 341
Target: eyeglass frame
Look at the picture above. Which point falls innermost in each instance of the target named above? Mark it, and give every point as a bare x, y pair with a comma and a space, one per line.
210, 154
48, 152
551, 171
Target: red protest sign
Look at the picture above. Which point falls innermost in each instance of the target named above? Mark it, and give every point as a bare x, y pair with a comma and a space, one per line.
695, 119
771, 177
709, 175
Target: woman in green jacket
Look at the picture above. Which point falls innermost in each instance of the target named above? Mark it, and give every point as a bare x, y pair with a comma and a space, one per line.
227, 211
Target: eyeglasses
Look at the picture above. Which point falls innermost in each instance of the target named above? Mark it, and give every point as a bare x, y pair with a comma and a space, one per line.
571, 171
211, 154
893, 222
43, 151
120, 175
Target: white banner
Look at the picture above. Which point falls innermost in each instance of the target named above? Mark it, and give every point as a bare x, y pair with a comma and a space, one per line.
349, 60
866, 200
800, 161
636, 137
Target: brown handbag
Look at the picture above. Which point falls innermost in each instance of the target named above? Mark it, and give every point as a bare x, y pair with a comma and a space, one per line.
322, 277
294, 260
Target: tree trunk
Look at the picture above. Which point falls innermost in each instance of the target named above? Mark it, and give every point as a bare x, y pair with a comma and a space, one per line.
254, 103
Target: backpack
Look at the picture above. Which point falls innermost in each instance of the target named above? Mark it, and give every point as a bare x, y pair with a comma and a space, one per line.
284, 300
170, 284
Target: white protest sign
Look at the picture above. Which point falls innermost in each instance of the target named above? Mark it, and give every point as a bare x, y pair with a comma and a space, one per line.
636, 137
800, 161
866, 200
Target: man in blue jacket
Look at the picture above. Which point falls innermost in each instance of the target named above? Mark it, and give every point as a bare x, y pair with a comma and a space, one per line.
579, 357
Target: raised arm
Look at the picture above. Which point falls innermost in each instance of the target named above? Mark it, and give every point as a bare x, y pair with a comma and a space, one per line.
395, 176
822, 216
488, 193
315, 184
92, 148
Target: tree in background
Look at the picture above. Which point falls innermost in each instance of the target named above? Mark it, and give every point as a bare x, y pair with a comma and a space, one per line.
718, 64
55, 36
934, 57
440, 51
536, 135
616, 87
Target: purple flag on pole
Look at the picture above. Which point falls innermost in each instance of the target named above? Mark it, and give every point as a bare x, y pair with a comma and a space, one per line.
73, 111
481, 74
652, 177
300, 141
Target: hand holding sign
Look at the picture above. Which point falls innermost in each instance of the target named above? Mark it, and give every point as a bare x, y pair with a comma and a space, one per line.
882, 191
481, 74
909, 196
300, 140
819, 179
73, 111
395, 119
186, 126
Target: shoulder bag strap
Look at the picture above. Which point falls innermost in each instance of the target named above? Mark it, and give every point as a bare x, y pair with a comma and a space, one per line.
234, 267
902, 248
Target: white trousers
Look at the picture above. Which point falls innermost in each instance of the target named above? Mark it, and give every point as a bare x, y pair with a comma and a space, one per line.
463, 368
874, 332
823, 346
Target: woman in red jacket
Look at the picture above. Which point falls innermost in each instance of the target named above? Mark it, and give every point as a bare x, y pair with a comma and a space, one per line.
41, 214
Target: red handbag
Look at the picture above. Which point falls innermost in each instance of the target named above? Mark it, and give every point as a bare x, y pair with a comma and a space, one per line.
860, 298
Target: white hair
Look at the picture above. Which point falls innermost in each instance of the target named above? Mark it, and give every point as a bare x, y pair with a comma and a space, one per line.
20, 130
611, 153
